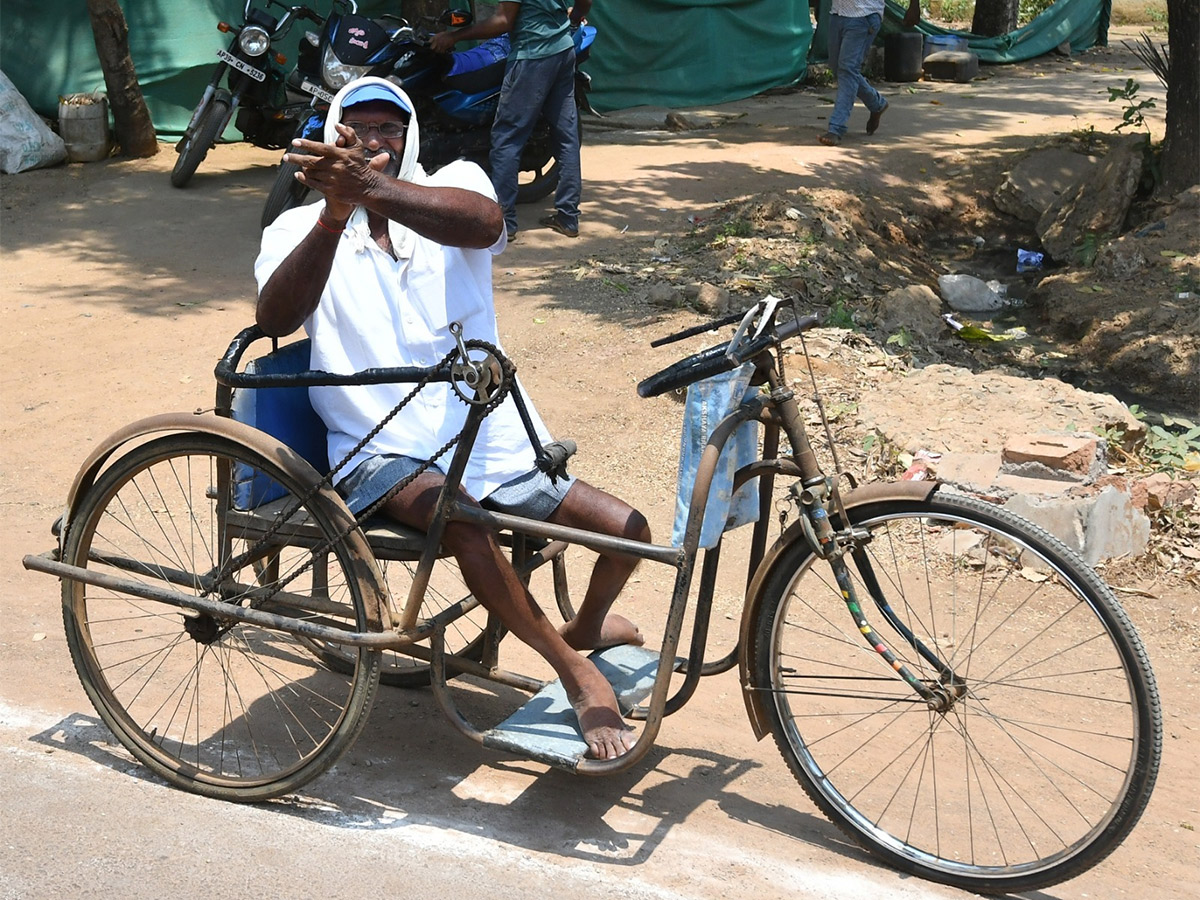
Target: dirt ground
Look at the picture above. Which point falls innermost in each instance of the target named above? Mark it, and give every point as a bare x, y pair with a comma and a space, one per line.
120, 293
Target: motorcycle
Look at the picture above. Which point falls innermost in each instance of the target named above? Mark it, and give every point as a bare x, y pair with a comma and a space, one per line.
348, 47
455, 97
267, 111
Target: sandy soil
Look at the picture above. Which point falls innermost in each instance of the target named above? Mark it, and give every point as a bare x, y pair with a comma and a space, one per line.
121, 292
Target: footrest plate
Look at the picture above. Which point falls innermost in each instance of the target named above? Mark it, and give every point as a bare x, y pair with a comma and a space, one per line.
545, 728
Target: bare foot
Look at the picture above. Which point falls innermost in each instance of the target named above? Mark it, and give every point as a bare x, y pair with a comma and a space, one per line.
614, 630
595, 706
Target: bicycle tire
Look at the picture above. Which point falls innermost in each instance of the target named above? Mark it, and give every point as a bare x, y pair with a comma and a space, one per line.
219, 708
464, 636
202, 139
1042, 766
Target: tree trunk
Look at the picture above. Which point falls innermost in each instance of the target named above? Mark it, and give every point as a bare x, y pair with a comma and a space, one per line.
135, 131
1181, 148
995, 17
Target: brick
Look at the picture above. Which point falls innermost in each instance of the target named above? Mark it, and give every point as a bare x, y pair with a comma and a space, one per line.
1079, 456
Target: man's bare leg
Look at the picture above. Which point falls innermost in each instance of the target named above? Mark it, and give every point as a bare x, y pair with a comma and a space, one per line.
594, 626
490, 577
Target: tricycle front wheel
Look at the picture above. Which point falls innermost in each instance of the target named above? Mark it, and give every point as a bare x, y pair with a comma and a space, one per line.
219, 707
1042, 744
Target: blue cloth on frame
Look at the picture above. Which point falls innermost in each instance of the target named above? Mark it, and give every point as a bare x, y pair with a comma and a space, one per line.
708, 403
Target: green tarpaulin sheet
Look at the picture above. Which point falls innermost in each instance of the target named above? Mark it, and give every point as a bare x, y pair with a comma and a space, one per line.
685, 53
1084, 23
647, 52
47, 49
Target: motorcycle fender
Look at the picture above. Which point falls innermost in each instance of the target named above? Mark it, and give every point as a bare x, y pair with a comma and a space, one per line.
136, 433
862, 496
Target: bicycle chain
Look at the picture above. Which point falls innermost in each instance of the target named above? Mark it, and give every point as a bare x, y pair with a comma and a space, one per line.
507, 380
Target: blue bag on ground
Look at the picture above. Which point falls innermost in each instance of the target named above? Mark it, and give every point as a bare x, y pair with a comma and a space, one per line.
708, 402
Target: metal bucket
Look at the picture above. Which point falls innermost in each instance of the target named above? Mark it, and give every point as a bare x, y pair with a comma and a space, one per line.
83, 125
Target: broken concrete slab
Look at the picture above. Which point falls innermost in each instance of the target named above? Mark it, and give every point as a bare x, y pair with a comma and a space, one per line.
1104, 525
1038, 180
1030, 445
1097, 205
951, 65
947, 409
915, 308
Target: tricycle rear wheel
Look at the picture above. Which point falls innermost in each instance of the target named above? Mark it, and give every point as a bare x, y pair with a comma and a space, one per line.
223, 708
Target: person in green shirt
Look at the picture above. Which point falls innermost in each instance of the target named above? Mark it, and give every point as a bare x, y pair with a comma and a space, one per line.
539, 80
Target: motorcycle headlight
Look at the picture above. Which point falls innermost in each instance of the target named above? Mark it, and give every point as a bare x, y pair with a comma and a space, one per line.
336, 73
254, 41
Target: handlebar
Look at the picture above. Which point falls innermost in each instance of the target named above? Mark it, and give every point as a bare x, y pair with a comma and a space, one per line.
741, 348
226, 371
292, 13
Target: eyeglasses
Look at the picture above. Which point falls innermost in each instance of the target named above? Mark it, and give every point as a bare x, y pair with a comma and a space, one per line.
389, 131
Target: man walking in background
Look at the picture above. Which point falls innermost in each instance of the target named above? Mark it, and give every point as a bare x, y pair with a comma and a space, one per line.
853, 25
538, 81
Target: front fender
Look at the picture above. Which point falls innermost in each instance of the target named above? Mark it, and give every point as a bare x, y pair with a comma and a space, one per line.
861, 496
136, 433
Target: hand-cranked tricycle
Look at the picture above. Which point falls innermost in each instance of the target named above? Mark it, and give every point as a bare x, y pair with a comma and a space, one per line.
951, 685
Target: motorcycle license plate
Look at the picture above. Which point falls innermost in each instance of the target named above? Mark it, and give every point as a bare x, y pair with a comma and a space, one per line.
316, 90
241, 65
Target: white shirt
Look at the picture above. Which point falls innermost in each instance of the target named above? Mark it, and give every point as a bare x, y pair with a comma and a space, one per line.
856, 8
377, 311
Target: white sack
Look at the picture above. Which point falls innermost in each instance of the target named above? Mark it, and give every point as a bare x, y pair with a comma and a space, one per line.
26, 142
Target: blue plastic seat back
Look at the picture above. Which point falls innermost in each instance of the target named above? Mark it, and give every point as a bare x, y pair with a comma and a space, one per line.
284, 413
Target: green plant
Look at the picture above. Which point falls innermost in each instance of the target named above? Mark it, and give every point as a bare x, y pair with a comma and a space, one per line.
1172, 444
819, 76
736, 228
902, 338
840, 315
1132, 116
1087, 251
1087, 136
951, 10
1028, 10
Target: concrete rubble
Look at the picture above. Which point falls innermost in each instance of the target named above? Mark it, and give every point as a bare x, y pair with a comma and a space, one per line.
1034, 446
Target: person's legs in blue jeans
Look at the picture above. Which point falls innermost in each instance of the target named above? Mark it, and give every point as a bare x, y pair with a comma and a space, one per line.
850, 37
522, 96
563, 117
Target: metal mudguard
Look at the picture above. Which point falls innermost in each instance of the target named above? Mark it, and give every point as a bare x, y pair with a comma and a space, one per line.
861, 496
135, 433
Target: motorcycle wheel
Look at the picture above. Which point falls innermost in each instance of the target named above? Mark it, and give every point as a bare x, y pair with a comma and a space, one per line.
542, 180
286, 193
202, 138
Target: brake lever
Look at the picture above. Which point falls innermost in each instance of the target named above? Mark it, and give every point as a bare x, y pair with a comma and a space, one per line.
696, 329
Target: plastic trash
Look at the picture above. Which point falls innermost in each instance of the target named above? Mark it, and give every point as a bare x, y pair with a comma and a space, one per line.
978, 335
922, 466
966, 293
1029, 260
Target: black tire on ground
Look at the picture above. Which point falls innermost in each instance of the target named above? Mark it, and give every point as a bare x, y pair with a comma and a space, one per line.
202, 139
1044, 760
220, 708
286, 193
